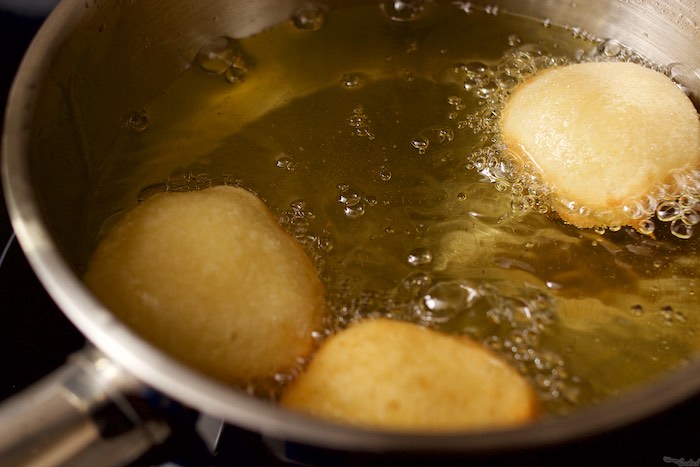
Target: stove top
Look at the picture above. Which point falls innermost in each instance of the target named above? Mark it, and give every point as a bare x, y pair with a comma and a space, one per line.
36, 338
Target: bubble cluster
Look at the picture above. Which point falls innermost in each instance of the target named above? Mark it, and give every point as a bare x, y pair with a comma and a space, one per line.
511, 322
360, 123
223, 56
354, 203
676, 204
670, 316
296, 220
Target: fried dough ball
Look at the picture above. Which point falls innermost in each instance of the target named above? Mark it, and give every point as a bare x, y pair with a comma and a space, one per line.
601, 135
401, 376
212, 279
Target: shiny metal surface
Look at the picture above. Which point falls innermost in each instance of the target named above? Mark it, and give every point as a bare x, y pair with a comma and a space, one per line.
94, 61
60, 421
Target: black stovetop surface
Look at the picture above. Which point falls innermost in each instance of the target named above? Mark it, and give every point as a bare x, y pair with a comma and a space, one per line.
35, 338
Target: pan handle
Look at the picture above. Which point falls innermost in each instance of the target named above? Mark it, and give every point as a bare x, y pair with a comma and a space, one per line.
88, 412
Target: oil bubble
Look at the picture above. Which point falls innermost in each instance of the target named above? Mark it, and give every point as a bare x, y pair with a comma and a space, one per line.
324, 242
687, 200
421, 143
235, 74
476, 69
463, 6
514, 40
445, 300
633, 210
351, 80
218, 55
309, 17
361, 123
403, 10
646, 227
486, 89
355, 210
223, 55
420, 257
370, 200
436, 135
668, 211
690, 217
138, 121
681, 230
179, 180
285, 162
384, 174
349, 198
610, 48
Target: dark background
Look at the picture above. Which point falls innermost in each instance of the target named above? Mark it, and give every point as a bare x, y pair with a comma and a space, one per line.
35, 338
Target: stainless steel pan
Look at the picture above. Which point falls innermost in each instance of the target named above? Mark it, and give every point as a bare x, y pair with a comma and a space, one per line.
93, 62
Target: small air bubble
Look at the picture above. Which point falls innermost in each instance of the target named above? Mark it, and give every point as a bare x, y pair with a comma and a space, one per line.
514, 40
403, 10
138, 121
610, 48
285, 162
309, 18
421, 144
637, 310
351, 81
384, 175
646, 227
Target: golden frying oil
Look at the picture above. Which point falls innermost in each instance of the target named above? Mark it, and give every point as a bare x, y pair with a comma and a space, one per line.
371, 131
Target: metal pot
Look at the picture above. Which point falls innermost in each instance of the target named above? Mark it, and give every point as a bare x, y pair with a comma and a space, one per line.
91, 64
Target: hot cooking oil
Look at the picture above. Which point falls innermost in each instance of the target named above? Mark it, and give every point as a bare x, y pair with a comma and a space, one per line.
372, 132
